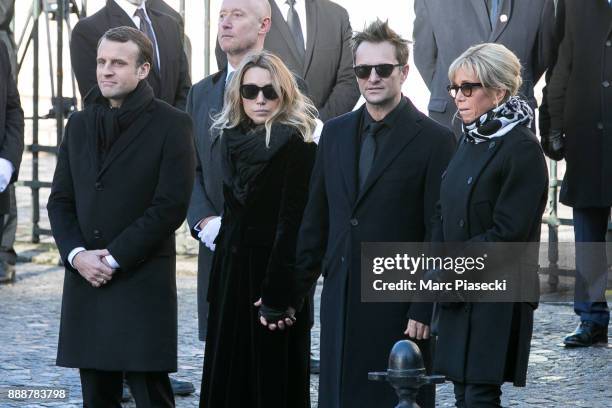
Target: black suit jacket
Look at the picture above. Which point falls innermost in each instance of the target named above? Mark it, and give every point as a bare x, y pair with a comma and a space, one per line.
132, 205
395, 205
327, 68
171, 85
11, 122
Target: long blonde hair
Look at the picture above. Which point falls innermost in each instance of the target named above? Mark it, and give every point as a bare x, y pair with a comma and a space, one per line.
294, 108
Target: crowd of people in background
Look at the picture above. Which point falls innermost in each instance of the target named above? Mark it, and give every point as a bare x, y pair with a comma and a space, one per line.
281, 179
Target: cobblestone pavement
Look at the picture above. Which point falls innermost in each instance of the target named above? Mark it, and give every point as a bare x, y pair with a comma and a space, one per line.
29, 322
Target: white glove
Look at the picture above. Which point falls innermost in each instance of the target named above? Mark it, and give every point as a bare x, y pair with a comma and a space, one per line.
6, 173
318, 130
210, 232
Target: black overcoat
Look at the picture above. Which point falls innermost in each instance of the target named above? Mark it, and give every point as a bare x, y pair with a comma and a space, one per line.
205, 100
245, 364
492, 192
396, 204
580, 102
170, 84
11, 123
131, 206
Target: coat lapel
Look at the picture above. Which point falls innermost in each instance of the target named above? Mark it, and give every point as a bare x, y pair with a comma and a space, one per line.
405, 130
160, 35
278, 20
482, 16
127, 138
216, 104
503, 18
311, 30
347, 154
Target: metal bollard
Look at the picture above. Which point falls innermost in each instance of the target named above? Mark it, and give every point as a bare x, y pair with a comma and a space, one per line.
406, 373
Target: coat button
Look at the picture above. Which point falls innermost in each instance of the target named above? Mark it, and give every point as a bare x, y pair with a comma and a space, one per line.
491, 145
469, 180
99, 186
342, 259
354, 222
605, 84
600, 126
461, 223
608, 43
234, 249
97, 234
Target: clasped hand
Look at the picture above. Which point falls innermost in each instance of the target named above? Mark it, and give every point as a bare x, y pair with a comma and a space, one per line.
274, 318
93, 266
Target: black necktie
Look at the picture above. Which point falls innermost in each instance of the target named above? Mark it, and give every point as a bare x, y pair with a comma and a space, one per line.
146, 28
368, 150
293, 21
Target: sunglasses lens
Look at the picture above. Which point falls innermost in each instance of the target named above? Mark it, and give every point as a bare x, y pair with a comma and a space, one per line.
384, 70
269, 92
249, 91
363, 71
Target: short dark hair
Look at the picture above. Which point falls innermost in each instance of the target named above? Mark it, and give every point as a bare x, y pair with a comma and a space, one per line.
378, 32
124, 34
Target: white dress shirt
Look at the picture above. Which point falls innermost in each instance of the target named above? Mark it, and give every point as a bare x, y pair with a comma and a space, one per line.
300, 7
130, 10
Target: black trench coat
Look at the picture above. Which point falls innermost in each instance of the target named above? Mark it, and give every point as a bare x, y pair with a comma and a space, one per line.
492, 192
246, 365
580, 102
132, 206
396, 205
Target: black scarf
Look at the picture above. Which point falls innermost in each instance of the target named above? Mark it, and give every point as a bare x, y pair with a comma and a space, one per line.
499, 121
246, 154
110, 123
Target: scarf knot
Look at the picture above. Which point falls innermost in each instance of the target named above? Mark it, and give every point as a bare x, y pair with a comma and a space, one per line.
499, 121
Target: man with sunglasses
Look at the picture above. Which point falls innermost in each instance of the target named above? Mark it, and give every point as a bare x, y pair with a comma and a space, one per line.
376, 179
443, 29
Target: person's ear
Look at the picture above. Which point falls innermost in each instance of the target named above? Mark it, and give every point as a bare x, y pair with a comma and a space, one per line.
265, 25
143, 70
404, 72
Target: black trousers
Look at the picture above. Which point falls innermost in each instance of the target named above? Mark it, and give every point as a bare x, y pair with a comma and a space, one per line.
477, 395
104, 388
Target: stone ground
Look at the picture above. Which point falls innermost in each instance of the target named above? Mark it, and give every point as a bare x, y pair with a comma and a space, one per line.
29, 322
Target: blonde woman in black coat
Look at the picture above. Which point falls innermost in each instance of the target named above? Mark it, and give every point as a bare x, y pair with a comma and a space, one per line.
267, 157
494, 190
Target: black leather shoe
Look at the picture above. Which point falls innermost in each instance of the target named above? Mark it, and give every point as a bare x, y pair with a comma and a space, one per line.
587, 334
181, 388
315, 365
7, 272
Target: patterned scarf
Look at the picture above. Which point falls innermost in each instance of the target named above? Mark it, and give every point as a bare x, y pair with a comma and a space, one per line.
499, 121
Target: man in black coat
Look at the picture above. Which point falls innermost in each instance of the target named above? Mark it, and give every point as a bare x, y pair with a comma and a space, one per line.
11, 144
121, 188
312, 38
579, 99
376, 179
443, 29
169, 76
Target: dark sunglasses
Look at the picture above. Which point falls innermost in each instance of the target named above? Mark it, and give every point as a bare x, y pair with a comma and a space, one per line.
382, 70
250, 91
466, 89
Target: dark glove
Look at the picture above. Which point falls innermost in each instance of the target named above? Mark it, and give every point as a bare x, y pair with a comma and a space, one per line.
274, 315
553, 144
